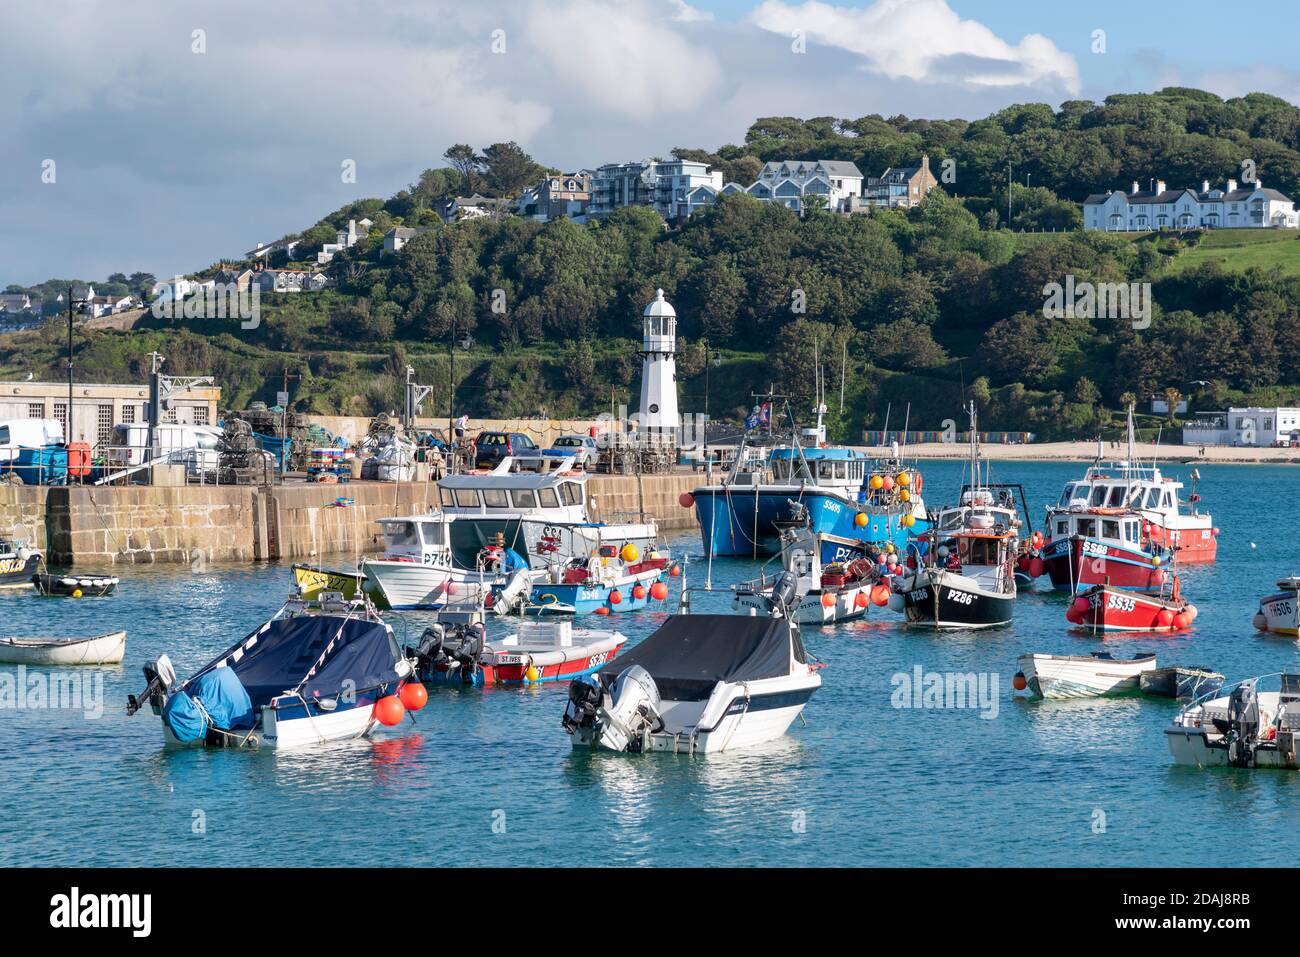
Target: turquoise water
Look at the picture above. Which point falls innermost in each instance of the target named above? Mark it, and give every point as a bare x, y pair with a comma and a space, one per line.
489, 777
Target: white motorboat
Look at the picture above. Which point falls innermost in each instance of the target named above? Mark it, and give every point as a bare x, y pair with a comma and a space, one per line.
539, 651
106, 649
827, 592
418, 569
18, 564
1246, 728
1081, 676
701, 683
1279, 613
537, 514
318, 671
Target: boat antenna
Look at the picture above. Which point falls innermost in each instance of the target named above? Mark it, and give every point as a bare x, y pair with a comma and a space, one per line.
907, 420
884, 436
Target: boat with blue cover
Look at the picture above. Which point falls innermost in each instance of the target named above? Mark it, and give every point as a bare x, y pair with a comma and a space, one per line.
316, 671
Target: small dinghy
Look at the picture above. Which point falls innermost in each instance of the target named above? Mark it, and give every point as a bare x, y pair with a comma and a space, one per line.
1181, 682
1081, 676
539, 651
701, 683
317, 671
1246, 728
100, 650
75, 586
312, 581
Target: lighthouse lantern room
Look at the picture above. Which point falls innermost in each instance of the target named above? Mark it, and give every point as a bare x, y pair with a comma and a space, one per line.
659, 368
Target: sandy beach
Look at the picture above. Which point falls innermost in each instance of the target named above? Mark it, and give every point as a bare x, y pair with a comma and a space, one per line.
1087, 452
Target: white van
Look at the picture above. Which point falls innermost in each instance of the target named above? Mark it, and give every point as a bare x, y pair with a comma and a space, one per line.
18, 434
193, 445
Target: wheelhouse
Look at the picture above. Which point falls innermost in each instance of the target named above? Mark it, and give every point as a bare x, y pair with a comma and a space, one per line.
1122, 530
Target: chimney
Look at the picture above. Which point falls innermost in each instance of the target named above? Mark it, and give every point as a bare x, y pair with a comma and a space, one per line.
1135, 187
1160, 186
1232, 186
1205, 186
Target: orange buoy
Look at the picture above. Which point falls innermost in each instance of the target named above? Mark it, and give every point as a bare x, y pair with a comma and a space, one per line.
1035, 567
861, 601
658, 591
639, 592
602, 610
1165, 618
1182, 620
828, 600
686, 500
389, 710
1081, 605
675, 571
1019, 682
860, 520
413, 695
616, 597
880, 595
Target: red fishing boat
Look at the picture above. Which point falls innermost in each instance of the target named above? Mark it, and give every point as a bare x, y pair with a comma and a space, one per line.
1103, 608
1120, 524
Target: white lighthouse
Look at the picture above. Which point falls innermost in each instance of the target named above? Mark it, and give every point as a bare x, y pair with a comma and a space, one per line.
659, 368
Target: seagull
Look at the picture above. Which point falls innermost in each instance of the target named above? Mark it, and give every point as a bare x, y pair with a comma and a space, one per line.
30, 375
1252, 544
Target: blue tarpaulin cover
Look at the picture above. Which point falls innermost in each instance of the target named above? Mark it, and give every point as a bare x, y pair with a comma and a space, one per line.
223, 698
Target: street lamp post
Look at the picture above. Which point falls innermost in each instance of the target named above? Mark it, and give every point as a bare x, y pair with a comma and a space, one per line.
77, 305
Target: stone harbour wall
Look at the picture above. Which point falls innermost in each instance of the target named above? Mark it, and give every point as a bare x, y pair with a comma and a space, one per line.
22, 515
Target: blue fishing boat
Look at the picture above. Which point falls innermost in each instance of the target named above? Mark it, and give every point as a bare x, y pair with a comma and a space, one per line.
839, 493
603, 584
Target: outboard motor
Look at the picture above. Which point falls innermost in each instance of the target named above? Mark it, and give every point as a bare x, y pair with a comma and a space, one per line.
505, 597
633, 711
784, 593
585, 698
467, 651
1243, 724
429, 652
159, 676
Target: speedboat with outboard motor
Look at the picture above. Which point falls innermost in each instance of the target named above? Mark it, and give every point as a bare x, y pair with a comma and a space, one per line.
458, 652
700, 683
1081, 676
966, 578
1278, 613
1246, 728
1123, 521
840, 590
845, 494
418, 569
18, 564
318, 671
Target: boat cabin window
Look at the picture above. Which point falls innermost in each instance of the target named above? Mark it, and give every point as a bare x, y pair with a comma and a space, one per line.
1066, 495
524, 498
467, 498
1062, 527
495, 498
571, 492
4, 435
980, 551
447, 498
1117, 495
1099, 494
401, 534
1168, 500
1087, 527
1131, 531
1110, 529
826, 470
1153, 498
434, 533
548, 498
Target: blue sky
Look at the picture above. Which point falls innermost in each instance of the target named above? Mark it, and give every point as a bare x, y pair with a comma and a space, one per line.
171, 158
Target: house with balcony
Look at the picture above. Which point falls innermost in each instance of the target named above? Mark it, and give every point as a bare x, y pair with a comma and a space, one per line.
896, 188
1252, 207
792, 182
665, 186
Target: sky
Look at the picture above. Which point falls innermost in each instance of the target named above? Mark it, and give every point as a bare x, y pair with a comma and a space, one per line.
162, 137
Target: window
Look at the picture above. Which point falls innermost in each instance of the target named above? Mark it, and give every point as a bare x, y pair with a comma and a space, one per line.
1110, 529
1062, 527
1153, 498
128, 412
1099, 494
495, 498
549, 498
571, 492
1087, 527
35, 410
61, 413
466, 498
1116, 495
200, 415
4, 435
1066, 496
401, 534
104, 422
448, 500
524, 498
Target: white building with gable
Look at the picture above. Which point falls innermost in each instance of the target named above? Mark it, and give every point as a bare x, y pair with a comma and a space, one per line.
1254, 207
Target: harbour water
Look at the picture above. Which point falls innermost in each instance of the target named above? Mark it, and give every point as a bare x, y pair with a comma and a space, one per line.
489, 777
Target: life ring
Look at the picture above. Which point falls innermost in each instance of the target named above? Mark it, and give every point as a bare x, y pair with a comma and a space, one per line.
917, 482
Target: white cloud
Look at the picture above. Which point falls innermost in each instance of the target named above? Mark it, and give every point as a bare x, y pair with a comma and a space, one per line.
683, 12
924, 40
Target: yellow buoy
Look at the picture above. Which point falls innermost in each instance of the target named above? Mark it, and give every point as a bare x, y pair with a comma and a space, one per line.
630, 553
76, 593
877, 482
1155, 559
861, 520
904, 479
908, 521
532, 674
904, 495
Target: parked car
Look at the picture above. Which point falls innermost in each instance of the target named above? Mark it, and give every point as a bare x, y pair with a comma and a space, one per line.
491, 447
583, 448
194, 446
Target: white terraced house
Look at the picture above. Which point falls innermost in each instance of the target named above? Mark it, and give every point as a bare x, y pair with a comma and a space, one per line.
789, 181
1254, 207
